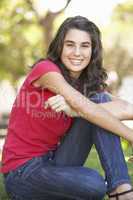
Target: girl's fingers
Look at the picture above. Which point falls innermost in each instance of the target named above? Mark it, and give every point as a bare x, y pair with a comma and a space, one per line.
59, 109
57, 105
54, 101
46, 105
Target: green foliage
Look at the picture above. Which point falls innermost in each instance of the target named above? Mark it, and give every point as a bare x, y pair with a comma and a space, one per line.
3, 195
124, 12
118, 42
20, 39
24, 36
125, 144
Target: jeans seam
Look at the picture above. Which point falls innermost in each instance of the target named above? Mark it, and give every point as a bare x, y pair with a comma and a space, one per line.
104, 154
106, 98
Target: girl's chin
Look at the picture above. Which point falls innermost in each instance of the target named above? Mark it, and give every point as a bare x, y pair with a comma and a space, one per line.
75, 74
76, 68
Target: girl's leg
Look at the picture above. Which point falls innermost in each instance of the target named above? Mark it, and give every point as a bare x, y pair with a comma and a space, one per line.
111, 155
76, 145
41, 180
61, 175
109, 149
63, 178
112, 159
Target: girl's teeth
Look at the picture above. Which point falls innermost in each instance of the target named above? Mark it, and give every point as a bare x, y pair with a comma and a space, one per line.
76, 62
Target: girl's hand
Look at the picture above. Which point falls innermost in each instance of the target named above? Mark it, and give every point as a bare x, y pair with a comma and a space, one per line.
58, 104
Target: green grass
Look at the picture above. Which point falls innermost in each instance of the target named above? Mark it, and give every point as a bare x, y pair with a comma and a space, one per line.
92, 162
3, 195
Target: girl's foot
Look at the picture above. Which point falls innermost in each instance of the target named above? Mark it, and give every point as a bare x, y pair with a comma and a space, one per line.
122, 192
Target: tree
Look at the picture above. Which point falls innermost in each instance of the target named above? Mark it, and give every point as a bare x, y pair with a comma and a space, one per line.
46, 21
24, 36
118, 55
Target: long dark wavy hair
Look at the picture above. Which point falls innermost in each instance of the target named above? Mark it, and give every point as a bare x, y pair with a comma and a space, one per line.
92, 78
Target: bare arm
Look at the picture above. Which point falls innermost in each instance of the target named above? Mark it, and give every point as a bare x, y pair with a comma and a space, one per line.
92, 112
119, 108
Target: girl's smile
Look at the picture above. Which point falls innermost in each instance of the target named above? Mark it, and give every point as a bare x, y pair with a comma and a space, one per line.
76, 53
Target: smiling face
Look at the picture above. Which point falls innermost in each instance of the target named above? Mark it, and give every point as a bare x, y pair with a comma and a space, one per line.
76, 52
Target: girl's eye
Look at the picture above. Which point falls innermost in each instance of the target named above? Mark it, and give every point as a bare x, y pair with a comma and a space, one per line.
69, 45
85, 46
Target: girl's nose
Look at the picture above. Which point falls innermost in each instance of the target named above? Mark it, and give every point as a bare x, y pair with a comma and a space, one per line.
77, 51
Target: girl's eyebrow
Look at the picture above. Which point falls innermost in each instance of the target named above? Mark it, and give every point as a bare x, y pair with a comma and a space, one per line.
87, 42
71, 41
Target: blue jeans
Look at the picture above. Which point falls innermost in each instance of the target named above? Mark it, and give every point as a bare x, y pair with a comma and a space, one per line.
60, 174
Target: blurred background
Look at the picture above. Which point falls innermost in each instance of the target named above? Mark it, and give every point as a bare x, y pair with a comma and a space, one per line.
27, 27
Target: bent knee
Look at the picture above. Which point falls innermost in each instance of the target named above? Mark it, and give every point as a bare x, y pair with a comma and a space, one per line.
96, 186
99, 190
101, 97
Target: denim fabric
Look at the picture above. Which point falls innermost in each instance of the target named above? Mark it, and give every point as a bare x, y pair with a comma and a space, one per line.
60, 175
